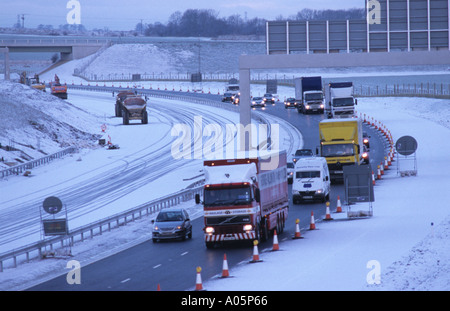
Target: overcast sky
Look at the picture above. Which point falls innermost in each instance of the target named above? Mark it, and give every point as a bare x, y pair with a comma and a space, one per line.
125, 14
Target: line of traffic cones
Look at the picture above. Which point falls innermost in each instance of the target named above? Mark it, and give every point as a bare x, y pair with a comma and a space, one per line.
255, 257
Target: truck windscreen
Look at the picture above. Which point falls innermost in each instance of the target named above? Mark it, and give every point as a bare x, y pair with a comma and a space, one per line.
337, 150
314, 96
340, 102
227, 196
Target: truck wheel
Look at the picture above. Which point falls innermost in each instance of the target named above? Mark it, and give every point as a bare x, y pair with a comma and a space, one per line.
209, 245
264, 232
125, 119
145, 117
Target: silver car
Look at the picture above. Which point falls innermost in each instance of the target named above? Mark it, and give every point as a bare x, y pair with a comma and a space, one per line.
172, 224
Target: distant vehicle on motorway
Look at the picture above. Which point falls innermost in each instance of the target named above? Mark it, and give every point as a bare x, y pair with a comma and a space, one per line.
269, 98
366, 140
302, 153
290, 172
290, 103
227, 97
365, 155
172, 224
235, 99
257, 102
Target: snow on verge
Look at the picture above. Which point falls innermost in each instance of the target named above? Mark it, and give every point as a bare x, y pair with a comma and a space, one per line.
39, 123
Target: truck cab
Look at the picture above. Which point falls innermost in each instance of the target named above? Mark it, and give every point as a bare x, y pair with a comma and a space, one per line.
313, 101
309, 93
341, 144
340, 101
243, 200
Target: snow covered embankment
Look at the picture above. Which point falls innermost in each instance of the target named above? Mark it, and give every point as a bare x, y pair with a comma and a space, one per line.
37, 123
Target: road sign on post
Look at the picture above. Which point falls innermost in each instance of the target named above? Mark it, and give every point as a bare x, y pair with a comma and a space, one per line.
54, 226
52, 205
358, 188
406, 147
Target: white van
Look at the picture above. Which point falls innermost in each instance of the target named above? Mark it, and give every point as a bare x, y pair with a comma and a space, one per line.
311, 180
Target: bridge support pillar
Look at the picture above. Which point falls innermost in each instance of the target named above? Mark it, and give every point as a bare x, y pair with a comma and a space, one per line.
7, 69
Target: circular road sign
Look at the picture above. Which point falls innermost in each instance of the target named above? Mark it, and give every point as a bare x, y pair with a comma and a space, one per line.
406, 145
52, 205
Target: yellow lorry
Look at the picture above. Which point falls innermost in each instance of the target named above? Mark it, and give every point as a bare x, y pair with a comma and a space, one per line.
341, 144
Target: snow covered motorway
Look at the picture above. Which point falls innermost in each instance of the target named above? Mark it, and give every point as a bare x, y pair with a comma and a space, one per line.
97, 183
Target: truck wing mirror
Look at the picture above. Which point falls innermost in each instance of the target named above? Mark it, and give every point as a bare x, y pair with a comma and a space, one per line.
356, 101
257, 195
197, 199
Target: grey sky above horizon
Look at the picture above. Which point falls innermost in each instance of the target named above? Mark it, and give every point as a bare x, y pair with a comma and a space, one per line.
124, 15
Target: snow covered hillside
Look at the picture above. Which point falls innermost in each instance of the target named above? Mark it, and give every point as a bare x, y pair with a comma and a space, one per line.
39, 123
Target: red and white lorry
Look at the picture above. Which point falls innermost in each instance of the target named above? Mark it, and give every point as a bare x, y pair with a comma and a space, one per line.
244, 198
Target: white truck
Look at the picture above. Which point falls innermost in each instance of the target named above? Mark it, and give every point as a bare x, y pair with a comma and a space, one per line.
309, 94
339, 100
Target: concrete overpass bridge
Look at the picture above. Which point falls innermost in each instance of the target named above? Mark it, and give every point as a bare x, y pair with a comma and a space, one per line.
68, 48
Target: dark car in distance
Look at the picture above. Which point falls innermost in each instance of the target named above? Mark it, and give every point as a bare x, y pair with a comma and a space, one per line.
172, 224
290, 102
227, 97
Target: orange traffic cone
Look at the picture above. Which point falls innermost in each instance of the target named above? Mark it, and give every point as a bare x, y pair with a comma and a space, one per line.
373, 179
275, 247
198, 281
381, 168
158, 288
255, 252
297, 230
328, 216
225, 272
378, 172
312, 225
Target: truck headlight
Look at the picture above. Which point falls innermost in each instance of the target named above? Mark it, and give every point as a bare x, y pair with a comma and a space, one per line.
321, 106
209, 230
307, 106
248, 227
319, 191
